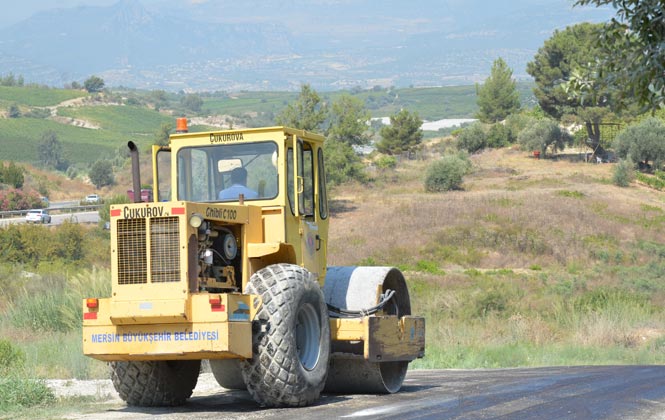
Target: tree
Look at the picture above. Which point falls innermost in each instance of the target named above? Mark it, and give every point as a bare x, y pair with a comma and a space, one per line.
50, 151
404, 134
162, 135
565, 84
159, 99
348, 121
498, 96
12, 175
342, 163
643, 143
306, 113
542, 135
631, 55
94, 84
561, 54
101, 173
192, 102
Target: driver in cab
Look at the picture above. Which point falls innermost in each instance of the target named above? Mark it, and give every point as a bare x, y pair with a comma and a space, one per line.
238, 186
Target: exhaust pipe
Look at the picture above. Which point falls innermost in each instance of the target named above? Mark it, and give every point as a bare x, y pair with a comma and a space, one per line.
136, 172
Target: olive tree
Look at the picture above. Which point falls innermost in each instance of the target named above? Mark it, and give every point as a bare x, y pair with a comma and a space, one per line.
643, 143
544, 135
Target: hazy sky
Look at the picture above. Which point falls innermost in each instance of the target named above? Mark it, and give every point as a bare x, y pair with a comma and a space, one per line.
23, 9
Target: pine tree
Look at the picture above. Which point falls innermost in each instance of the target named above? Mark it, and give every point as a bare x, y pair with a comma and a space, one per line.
498, 96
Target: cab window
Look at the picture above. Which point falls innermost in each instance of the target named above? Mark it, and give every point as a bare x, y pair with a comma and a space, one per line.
223, 172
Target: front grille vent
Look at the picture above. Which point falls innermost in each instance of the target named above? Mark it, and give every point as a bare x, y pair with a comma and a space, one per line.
133, 255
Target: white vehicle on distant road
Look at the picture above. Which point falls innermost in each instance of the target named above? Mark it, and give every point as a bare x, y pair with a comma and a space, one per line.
38, 216
92, 199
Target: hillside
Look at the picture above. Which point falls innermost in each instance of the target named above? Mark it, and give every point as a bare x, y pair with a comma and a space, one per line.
534, 262
92, 127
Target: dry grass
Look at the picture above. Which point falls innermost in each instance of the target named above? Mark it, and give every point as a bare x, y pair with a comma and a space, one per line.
547, 214
522, 240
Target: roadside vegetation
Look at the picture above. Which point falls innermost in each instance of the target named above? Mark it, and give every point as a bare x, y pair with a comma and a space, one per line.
530, 238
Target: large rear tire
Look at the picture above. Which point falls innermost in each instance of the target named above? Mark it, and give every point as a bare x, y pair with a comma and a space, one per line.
291, 338
155, 383
227, 373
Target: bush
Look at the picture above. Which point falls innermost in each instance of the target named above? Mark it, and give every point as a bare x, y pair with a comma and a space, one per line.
472, 139
14, 199
499, 136
643, 142
105, 209
447, 173
11, 358
386, 162
623, 173
34, 244
542, 135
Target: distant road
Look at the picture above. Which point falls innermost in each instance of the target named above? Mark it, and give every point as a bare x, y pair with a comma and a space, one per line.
574, 393
58, 219
62, 204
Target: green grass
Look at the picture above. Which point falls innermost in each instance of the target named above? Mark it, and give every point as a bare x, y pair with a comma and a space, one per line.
37, 96
432, 103
125, 120
20, 139
242, 102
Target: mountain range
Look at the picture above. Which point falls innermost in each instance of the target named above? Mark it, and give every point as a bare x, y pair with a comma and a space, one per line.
277, 45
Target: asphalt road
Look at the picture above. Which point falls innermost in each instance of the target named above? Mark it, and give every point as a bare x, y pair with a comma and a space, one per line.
588, 393
57, 219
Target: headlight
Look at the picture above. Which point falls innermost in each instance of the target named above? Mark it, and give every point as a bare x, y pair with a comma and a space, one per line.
196, 220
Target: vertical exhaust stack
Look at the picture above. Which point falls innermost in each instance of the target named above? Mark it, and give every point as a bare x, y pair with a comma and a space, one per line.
136, 171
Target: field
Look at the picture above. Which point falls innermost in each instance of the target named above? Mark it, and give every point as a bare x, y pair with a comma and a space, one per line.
432, 103
36, 96
535, 262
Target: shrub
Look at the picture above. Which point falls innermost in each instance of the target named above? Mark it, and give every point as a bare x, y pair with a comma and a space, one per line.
14, 199
623, 173
499, 136
447, 173
643, 142
386, 162
542, 135
11, 358
105, 209
472, 139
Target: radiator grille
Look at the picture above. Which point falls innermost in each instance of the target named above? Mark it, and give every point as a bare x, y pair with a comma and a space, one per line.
164, 250
133, 255
132, 263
